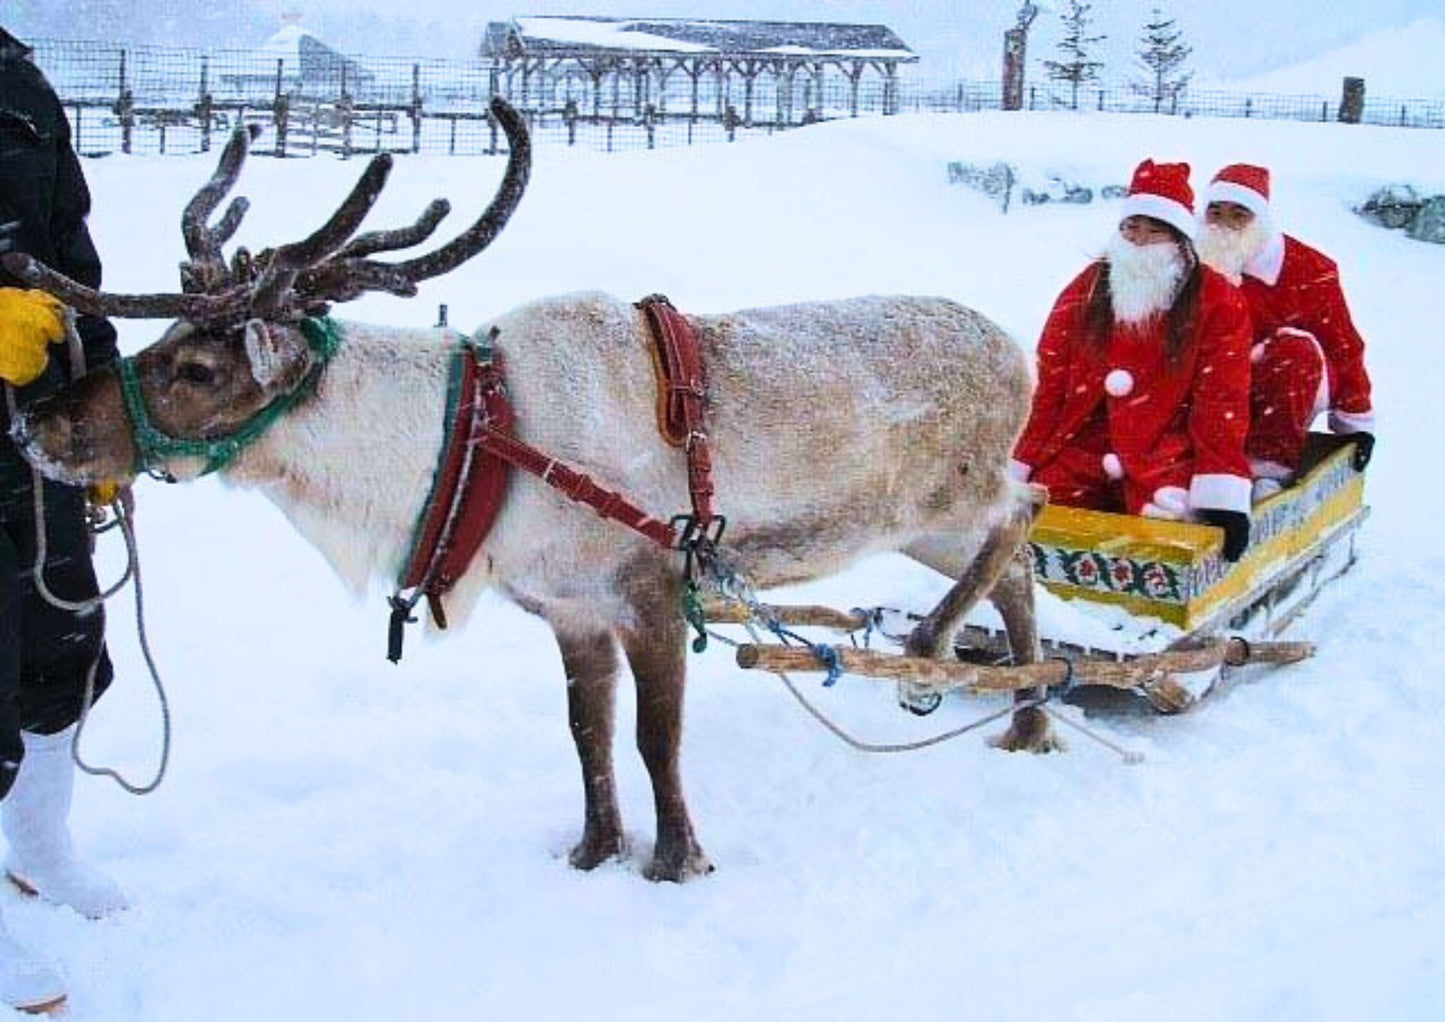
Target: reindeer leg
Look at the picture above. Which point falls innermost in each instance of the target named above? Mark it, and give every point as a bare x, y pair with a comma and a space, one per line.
1013, 595
931, 636
1002, 570
657, 654
591, 664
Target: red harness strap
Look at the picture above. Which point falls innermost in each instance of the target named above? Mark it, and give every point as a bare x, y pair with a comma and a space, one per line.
469, 486
576, 485
682, 398
471, 479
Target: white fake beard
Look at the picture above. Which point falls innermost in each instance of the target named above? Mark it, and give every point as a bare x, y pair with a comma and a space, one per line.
1228, 251
1143, 279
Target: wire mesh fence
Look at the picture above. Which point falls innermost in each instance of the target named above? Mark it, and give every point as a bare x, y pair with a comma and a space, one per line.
1128, 98
153, 99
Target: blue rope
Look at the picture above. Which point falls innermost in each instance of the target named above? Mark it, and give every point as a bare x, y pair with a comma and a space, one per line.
827, 655
870, 616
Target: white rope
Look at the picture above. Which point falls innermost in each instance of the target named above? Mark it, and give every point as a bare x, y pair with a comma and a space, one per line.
730, 584
132, 570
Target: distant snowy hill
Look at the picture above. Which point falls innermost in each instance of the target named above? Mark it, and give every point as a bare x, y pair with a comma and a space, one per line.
1401, 63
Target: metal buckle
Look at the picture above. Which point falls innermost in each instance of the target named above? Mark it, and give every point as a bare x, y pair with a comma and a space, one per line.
695, 537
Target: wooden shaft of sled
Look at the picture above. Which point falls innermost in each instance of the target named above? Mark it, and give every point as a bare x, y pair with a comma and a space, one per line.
950, 674
722, 613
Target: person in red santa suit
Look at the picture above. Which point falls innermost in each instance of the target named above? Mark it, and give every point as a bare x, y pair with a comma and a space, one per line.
1142, 403
1308, 356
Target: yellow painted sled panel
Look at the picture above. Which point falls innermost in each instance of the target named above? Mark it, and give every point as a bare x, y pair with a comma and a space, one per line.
1173, 570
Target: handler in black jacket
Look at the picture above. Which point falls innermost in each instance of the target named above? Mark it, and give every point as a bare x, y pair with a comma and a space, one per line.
45, 652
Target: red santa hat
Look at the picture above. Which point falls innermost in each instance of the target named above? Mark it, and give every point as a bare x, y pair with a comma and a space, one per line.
1244, 185
1161, 191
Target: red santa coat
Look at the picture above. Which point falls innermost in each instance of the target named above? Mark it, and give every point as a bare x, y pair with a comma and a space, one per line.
1164, 422
1290, 284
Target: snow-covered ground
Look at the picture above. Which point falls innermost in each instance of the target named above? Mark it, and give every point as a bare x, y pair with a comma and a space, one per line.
343, 839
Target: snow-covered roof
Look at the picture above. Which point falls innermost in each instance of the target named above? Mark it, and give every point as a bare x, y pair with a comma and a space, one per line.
545, 34
305, 56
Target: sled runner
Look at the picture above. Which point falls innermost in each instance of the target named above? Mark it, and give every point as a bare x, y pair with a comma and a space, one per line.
1177, 607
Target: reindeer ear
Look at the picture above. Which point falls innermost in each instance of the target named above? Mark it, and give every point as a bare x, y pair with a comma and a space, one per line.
276, 353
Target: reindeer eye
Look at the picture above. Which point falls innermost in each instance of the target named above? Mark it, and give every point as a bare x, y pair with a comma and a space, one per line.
196, 372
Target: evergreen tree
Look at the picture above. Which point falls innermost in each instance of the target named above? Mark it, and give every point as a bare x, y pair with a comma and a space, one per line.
1076, 68
1162, 53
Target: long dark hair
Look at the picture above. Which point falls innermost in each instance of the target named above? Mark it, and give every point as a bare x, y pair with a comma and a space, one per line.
1183, 312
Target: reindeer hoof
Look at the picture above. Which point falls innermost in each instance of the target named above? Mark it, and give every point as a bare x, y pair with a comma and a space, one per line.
1029, 732
592, 852
677, 868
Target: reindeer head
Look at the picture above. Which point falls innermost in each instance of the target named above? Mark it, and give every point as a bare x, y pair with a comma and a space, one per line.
249, 337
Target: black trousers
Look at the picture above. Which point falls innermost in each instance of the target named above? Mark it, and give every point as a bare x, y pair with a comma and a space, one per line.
45, 652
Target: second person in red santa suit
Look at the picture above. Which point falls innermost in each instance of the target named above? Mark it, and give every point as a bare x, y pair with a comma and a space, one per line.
1142, 403
1308, 357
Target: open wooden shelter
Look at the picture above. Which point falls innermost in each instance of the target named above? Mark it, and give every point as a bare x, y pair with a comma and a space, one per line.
740, 73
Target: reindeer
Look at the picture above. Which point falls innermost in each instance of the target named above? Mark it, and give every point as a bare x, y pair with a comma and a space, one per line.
839, 429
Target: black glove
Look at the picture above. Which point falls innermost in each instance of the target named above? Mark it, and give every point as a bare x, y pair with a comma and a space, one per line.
1236, 529
1364, 449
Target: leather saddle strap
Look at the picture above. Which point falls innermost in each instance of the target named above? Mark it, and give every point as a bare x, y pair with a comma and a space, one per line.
682, 396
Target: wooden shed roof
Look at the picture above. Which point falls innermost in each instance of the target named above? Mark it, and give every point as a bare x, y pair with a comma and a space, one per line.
546, 35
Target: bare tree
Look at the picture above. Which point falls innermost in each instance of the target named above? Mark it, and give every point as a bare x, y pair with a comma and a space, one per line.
1162, 54
1076, 45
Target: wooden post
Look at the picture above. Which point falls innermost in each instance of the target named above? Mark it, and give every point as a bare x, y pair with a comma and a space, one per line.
1015, 42
343, 110
695, 71
125, 108
1015, 63
569, 117
415, 111
1352, 101
205, 106
281, 107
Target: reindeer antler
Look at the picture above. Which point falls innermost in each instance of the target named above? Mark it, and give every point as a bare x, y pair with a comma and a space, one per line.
303, 277
347, 276
206, 270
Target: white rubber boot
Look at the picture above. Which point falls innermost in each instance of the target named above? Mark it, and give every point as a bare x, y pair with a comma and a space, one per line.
27, 982
42, 859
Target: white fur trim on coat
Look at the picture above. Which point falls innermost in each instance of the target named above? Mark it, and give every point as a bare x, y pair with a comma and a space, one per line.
1019, 470
1351, 422
1220, 490
1264, 469
1113, 467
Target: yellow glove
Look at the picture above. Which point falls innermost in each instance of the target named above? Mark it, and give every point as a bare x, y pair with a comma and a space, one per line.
102, 494
30, 321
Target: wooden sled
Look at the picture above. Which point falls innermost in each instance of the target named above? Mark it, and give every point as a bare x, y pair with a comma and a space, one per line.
1204, 613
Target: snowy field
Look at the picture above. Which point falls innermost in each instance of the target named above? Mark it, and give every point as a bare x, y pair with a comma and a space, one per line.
343, 839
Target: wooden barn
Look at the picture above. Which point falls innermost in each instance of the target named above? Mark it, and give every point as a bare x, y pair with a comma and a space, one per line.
655, 70
294, 61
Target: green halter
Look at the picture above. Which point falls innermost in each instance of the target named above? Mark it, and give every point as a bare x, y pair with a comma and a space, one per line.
152, 446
